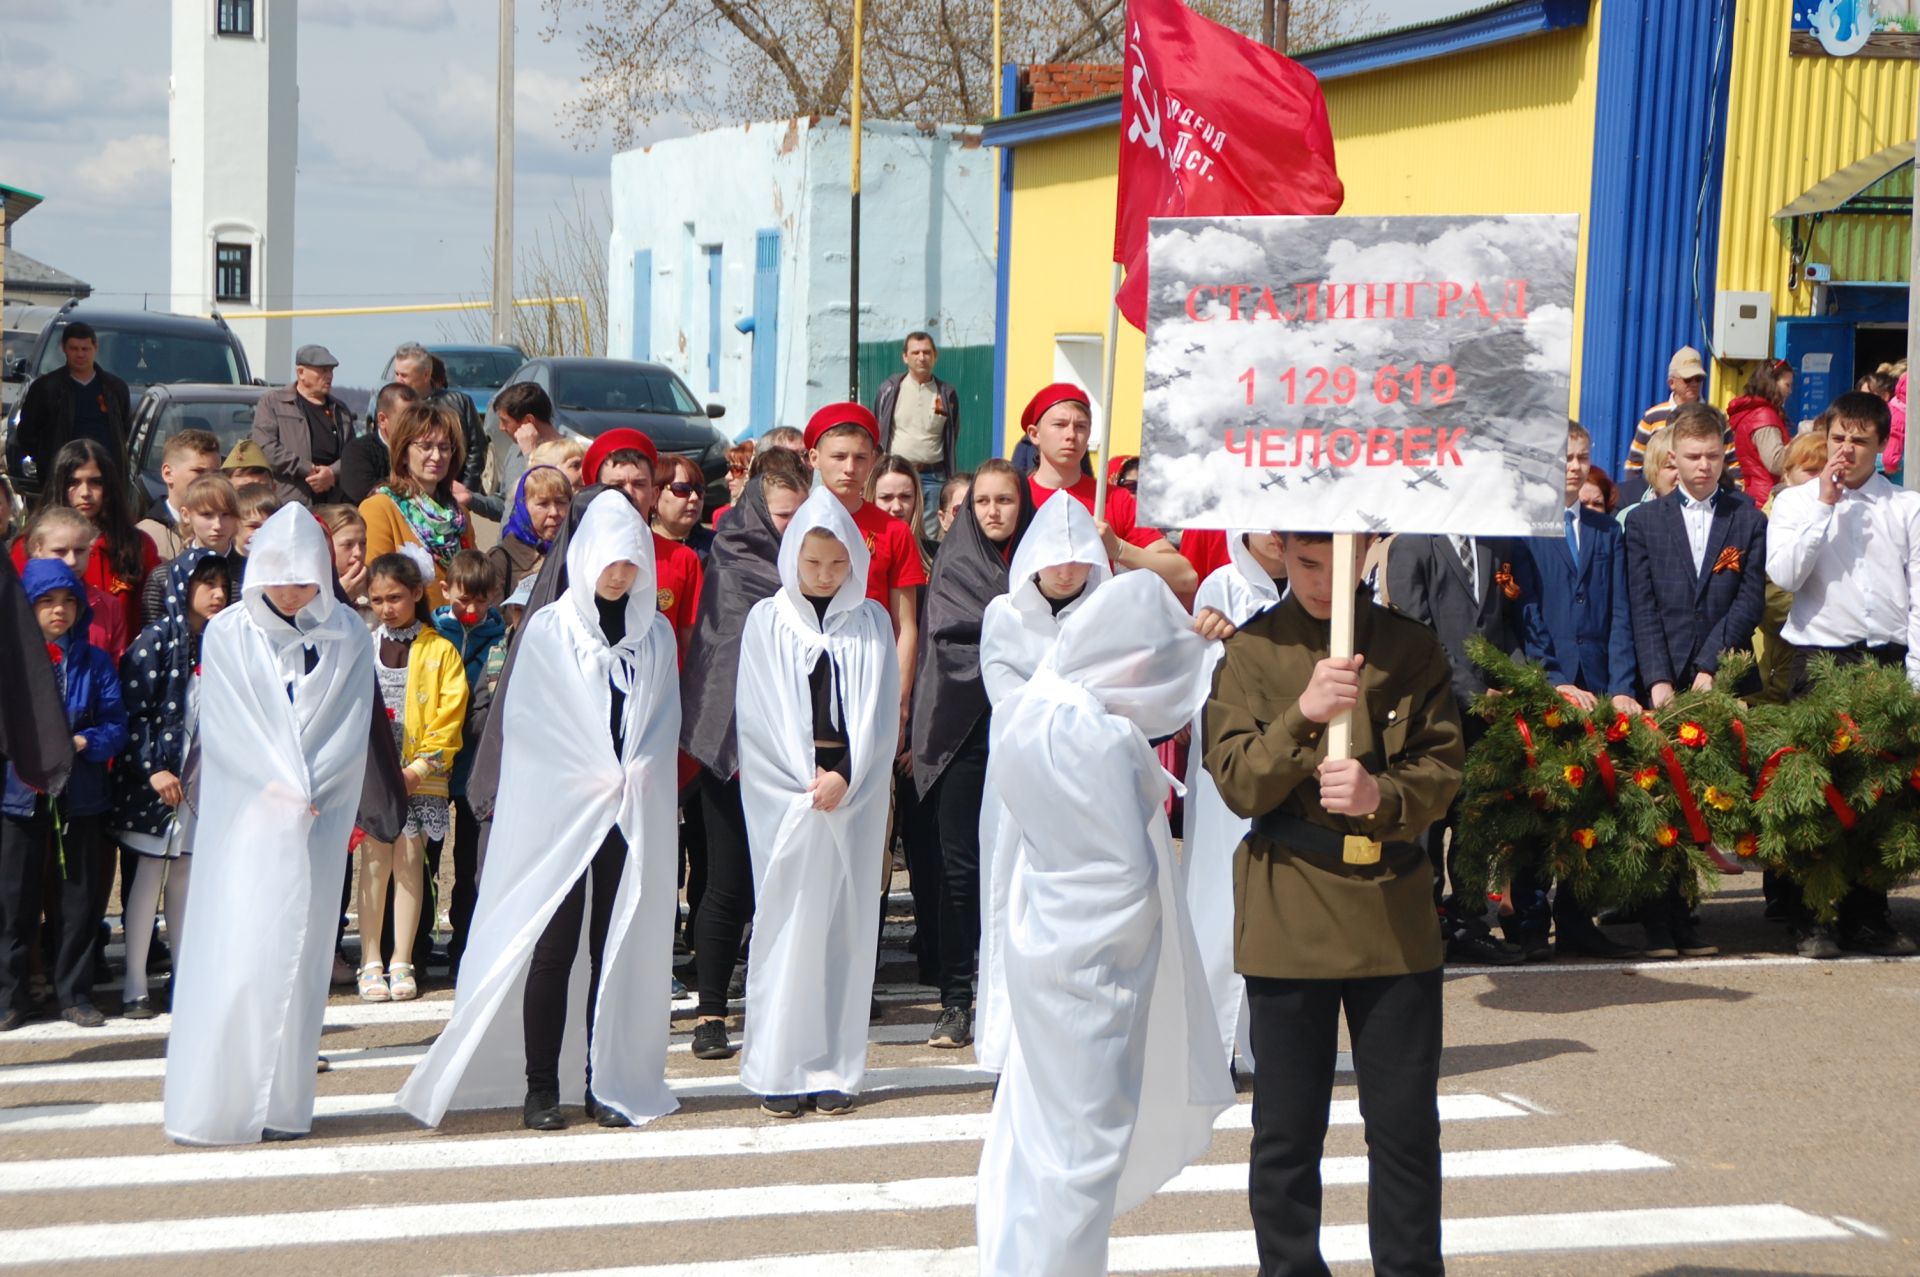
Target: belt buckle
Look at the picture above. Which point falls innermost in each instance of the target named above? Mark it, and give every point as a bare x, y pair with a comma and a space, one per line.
1357, 850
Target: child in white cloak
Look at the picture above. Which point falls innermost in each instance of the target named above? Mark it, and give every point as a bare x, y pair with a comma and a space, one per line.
819, 719
1113, 1077
1061, 561
1250, 582
286, 699
583, 839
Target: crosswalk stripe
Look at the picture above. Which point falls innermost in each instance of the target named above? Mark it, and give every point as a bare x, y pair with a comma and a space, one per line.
40, 1118
648, 1144
354, 1015
352, 1058
1339, 1243
335, 1227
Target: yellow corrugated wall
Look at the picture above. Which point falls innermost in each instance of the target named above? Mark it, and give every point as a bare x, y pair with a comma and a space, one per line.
1505, 130
1791, 122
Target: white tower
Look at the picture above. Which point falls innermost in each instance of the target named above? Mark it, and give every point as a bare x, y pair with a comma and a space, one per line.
233, 127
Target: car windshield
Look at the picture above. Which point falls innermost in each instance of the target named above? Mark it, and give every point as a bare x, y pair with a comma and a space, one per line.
486, 369
152, 358
623, 390
230, 423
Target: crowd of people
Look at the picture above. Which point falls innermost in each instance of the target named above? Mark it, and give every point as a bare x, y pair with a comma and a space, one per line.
680, 751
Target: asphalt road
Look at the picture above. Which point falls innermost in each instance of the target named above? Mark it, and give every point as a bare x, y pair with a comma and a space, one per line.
1741, 1115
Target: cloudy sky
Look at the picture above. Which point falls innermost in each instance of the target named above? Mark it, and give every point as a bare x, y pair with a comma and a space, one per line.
394, 187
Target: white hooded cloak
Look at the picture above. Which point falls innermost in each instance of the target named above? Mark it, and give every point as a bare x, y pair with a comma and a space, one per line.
562, 789
283, 759
1239, 589
1113, 1077
816, 874
1016, 633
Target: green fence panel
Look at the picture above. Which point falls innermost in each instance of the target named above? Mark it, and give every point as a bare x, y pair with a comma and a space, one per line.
968, 368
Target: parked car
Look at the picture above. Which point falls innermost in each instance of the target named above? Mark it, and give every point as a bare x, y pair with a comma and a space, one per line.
164, 411
476, 371
591, 396
19, 332
142, 348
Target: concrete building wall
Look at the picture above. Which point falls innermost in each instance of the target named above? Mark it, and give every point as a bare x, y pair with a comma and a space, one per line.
233, 123
926, 254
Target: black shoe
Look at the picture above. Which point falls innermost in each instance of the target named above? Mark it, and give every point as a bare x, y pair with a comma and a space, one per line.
159, 957
84, 1014
1879, 938
1482, 949
953, 1030
737, 987
1660, 942
1531, 941
140, 1008
1592, 943
271, 1136
873, 1011
604, 1115
710, 1041
102, 972
1687, 939
1777, 911
11, 1020
1815, 942
542, 1112
833, 1103
781, 1106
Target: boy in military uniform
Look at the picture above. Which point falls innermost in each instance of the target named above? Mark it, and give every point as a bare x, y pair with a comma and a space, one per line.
1333, 903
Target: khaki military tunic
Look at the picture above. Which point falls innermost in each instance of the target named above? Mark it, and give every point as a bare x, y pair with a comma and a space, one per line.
1307, 916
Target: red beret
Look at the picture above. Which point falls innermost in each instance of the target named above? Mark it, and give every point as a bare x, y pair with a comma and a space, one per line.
1058, 393
1115, 466
841, 414
621, 440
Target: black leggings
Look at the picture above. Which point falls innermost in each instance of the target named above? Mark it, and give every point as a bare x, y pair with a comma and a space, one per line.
726, 905
466, 883
957, 796
544, 1007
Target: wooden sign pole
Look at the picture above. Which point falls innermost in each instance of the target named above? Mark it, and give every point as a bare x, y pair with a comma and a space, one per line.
1345, 549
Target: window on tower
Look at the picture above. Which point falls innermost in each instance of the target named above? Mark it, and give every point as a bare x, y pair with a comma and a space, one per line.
233, 272
235, 17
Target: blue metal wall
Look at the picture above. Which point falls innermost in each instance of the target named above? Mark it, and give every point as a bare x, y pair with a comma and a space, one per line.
1654, 222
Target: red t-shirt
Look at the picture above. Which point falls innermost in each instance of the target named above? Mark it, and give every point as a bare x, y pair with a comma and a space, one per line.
1205, 548
678, 578
1121, 513
894, 562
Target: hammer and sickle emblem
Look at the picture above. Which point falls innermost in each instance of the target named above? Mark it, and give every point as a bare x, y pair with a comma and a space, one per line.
1146, 121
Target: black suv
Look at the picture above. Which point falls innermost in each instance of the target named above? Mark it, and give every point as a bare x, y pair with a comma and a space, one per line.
143, 348
591, 396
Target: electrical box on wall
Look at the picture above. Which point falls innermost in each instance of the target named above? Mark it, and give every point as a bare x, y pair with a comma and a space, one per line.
1743, 325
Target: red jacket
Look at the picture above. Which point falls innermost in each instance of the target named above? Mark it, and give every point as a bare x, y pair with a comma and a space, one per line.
1748, 414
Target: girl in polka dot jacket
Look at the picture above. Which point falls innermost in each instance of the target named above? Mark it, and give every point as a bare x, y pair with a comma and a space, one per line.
153, 790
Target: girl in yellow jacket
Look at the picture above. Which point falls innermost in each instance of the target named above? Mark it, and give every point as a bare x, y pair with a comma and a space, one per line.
424, 687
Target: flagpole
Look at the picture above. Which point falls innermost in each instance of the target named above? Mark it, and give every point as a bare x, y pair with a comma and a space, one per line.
1105, 424
853, 238
1340, 635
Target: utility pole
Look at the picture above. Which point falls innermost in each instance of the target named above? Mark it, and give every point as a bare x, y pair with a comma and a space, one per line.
1911, 462
503, 183
853, 239
1274, 17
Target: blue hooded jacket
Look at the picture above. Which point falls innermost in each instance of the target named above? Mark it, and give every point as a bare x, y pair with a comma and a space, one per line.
475, 643
91, 691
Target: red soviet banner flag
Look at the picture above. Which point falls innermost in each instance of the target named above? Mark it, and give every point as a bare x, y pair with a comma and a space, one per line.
1211, 124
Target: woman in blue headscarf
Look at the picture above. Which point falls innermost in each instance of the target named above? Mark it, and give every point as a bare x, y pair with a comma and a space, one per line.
539, 508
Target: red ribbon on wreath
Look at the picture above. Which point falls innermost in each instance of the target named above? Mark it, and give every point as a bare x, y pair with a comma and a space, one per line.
1696, 823
1526, 737
1842, 809
1739, 730
1604, 762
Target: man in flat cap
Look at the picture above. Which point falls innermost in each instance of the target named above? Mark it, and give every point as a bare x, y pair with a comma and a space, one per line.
303, 429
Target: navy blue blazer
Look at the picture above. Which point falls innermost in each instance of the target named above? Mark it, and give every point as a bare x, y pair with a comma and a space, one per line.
1573, 616
1683, 619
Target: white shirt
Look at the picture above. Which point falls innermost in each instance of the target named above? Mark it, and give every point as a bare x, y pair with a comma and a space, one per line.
1698, 516
1853, 567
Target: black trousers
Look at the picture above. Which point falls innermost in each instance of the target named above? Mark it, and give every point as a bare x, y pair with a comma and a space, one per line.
726, 904
1394, 1022
28, 853
544, 1005
957, 797
693, 852
917, 826
1445, 854
466, 882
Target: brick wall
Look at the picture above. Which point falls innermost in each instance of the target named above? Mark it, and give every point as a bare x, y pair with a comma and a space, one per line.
1057, 83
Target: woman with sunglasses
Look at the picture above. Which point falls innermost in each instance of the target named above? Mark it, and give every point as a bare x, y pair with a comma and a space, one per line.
1760, 433
682, 497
